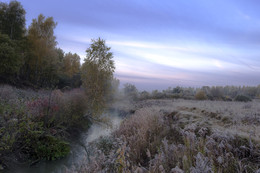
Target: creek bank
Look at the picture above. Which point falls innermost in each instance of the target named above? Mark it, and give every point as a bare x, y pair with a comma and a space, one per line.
80, 150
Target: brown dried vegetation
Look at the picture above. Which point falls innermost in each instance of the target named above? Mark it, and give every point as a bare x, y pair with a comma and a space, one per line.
182, 136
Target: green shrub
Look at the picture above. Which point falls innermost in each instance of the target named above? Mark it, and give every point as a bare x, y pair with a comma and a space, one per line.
51, 148
33, 141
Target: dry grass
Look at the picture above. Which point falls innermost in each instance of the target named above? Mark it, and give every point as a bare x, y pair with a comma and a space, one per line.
234, 117
182, 136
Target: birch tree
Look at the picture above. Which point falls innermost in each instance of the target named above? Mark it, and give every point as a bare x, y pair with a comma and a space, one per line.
97, 75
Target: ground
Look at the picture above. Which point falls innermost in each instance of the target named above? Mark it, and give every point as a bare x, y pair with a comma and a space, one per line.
181, 136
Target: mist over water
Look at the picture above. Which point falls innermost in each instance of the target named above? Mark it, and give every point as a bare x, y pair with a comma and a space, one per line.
98, 130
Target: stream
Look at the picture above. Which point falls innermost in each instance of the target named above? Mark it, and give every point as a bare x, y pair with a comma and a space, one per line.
78, 150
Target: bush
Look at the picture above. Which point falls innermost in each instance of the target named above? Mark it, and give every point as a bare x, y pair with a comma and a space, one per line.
242, 98
35, 125
35, 142
226, 98
72, 108
51, 148
200, 95
131, 92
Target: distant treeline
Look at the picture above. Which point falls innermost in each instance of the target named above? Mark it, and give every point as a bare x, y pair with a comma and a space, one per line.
226, 93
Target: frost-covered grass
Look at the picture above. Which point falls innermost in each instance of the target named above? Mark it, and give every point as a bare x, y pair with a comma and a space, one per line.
182, 136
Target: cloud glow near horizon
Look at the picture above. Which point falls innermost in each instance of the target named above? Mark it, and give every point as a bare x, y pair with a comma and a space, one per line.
161, 44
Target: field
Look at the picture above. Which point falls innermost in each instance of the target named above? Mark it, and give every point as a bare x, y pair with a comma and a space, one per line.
152, 135
180, 136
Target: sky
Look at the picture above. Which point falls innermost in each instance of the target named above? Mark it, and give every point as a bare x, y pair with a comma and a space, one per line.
163, 43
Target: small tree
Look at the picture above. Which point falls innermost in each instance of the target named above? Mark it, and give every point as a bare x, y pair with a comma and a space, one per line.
200, 95
130, 91
144, 95
71, 64
216, 92
97, 75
